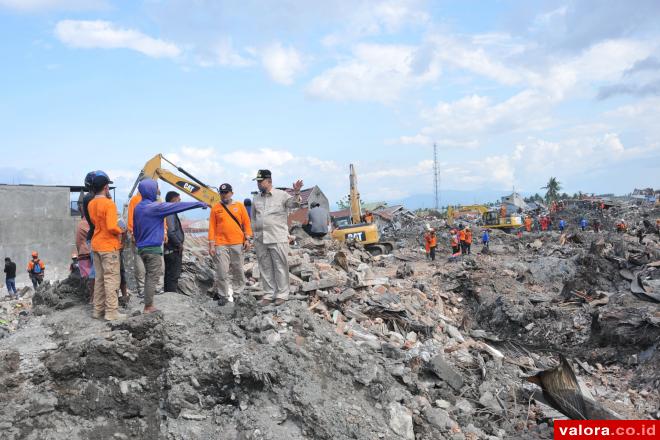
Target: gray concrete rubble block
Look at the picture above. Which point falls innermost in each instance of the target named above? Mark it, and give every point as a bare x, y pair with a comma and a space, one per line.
401, 421
293, 279
439, 418
439, 366
373, 282
355, 314
324, 283
488, 400
346, 295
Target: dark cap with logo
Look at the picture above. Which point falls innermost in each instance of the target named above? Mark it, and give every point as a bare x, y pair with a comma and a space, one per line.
263, 174
100, 180
225, 188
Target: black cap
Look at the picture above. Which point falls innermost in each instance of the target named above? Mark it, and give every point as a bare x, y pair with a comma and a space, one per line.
100, 180
263, 174
225, 188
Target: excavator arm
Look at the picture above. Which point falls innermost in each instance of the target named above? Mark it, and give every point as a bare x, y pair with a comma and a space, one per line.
190, 185
354, 198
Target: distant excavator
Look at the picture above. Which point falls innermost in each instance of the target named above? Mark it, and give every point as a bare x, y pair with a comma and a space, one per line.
359, 231
192, 186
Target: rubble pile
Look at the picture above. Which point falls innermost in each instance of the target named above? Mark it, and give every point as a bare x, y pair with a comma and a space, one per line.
368, 347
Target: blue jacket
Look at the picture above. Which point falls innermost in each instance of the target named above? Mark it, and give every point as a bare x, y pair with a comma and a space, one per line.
583, 223
485, 238
562, 223
148, 225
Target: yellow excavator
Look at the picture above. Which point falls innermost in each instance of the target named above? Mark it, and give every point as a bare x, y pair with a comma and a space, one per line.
507, 223
359, 231
467, 210
192, 186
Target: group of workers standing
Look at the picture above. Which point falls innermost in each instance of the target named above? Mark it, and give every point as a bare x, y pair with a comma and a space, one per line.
544, 223
460, 241
154, 238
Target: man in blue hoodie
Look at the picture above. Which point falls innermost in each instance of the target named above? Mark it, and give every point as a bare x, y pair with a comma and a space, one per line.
149, 231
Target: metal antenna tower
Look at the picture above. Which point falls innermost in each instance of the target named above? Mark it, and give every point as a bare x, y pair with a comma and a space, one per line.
436, 176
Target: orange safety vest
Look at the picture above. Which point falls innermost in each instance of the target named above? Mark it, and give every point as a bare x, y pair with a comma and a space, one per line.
461, 235
468, 237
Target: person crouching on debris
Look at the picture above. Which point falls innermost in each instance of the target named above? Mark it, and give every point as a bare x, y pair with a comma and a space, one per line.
36, 269
431, 243
230, 235
149, 233
621, 226
105, 249
270, 209
485, 239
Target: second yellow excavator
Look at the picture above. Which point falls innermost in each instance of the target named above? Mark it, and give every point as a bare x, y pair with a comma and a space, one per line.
359, 231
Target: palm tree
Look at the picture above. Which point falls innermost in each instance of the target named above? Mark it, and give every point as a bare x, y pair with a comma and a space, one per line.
553, 187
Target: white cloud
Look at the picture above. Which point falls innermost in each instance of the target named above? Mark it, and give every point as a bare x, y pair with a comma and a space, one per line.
225, 54
51, 5
376, 72
482, 55
363, 18
265, 156
106, 35
282, 64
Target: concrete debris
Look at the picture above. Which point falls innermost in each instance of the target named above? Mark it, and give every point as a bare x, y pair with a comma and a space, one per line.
386, 347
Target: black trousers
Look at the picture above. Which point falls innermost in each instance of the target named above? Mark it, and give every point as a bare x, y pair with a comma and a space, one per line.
432, 253
173, 263
308, 228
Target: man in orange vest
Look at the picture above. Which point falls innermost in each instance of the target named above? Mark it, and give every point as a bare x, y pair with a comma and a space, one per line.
455, 244
106, 244
461, 239
468, 240
36, 269
230, 233
528, 224
431, 243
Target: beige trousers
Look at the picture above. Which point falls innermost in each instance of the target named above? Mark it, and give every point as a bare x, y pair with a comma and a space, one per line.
273, 269
107, 282
230, 264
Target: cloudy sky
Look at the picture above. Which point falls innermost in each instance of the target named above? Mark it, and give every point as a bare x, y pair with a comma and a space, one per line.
512, 92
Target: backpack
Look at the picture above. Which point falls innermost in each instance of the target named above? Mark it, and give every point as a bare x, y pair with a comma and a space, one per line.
36, 269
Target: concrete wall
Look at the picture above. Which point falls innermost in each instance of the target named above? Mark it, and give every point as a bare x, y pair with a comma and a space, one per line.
37, 218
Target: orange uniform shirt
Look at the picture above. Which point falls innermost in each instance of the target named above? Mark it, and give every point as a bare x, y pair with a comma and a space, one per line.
468, 237
30, 265
137, 198
461, 235
223, 230
103, 214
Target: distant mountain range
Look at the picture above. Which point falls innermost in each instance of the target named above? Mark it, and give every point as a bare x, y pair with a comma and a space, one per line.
453, 197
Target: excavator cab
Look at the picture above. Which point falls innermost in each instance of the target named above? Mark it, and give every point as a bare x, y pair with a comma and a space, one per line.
493, 220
